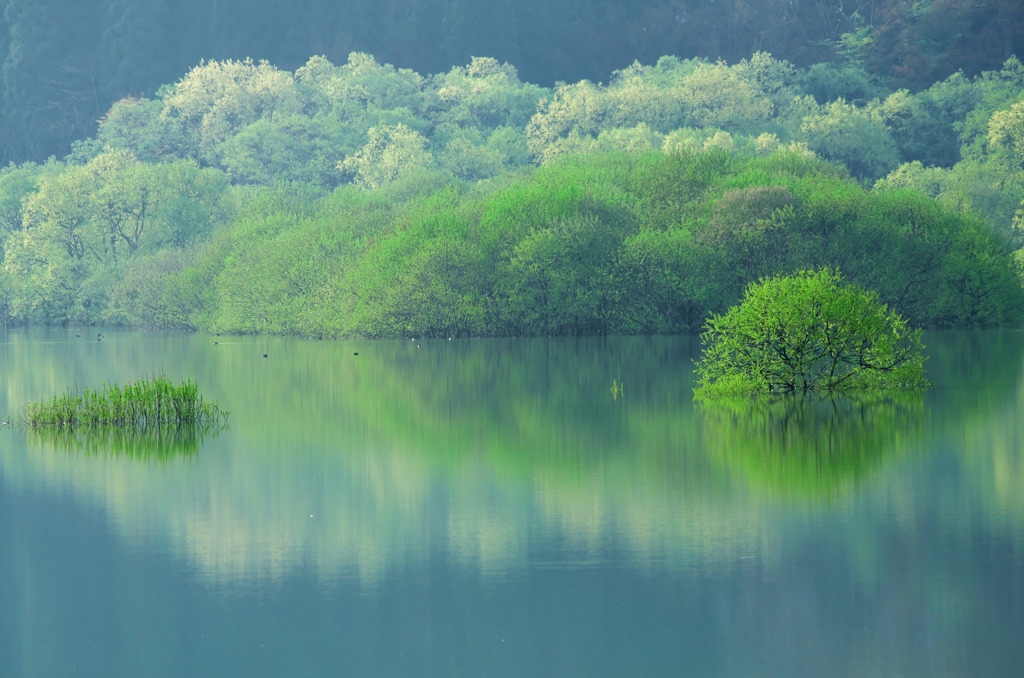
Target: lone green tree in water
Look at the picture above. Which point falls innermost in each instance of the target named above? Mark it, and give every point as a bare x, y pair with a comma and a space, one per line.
808, 332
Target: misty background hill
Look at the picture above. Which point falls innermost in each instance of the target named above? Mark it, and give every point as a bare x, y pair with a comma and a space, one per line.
64, 62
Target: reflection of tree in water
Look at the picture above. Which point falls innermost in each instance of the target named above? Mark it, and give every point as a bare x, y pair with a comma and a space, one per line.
160, 443
810, 447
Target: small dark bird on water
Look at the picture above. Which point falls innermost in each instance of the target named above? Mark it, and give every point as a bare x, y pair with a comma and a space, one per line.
215, 343
264, 355
355, 354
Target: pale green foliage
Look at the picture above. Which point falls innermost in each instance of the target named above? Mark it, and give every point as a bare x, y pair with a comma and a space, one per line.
1006, 132
766, 143
144, 295
361, 82
792, 114
510, 144
195, 201
830, 81
124, 201
472, 154
650, 94
971, 103
43, 281
698, 141
292, 148
990, 178
717, 95
343, 104
573, 143
904, 115
218, 98
485, 94
771, 76
6, 295
57, 213
984, 186
852, 136
580, 108
390, 153
137, 125
808, 332
629, 139
81, 226
670, 95
471, 161
72, 233
929, 180
17, 182
1018, 262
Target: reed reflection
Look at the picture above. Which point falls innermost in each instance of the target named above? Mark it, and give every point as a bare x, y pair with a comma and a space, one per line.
150, 443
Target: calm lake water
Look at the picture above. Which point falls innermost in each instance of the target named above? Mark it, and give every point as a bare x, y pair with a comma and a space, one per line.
541, 507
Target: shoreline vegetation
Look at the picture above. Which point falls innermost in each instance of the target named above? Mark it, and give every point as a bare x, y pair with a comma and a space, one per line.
364, 200
151, 404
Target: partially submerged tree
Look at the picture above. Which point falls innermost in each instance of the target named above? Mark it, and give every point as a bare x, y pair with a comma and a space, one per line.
808, 332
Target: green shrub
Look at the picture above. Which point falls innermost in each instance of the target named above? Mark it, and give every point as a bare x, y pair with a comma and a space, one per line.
808, 332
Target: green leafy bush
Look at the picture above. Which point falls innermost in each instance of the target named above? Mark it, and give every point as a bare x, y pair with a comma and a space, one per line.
808, 332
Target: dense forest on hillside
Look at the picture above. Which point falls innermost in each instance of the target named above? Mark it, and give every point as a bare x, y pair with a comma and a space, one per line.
365, 199
64, 62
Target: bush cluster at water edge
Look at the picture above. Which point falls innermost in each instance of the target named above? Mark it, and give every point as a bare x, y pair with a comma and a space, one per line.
614, 243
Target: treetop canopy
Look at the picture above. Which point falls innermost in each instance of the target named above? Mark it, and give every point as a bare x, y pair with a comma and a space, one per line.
808, 332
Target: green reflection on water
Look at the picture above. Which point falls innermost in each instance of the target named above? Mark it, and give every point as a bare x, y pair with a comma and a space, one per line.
152, 443
354, 465
892, 529
806, 446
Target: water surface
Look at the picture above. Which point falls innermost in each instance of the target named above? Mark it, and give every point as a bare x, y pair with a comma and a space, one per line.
541, 507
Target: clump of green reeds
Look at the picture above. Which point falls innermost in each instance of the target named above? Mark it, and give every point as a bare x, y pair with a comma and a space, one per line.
150, 402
